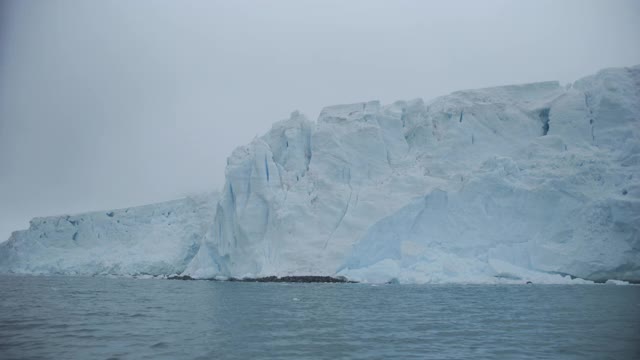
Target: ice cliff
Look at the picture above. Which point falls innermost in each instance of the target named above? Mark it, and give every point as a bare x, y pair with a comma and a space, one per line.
535, 182
147, 240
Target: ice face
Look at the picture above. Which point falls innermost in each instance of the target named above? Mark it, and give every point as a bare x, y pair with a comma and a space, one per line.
500, 226
532, 182
457, 189
159, 239
553, 204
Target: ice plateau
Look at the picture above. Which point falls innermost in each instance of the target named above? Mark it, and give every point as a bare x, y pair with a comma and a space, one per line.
537, 182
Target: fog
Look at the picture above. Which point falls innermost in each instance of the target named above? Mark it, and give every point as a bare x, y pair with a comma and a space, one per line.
113, 104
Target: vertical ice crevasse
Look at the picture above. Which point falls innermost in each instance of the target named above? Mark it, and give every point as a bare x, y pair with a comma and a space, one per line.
344, 212
544, 117
587, 103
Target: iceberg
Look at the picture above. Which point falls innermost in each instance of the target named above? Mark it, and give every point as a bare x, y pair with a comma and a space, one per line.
537, 182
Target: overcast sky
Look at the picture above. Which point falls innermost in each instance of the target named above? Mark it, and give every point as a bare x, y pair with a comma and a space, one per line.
117, 103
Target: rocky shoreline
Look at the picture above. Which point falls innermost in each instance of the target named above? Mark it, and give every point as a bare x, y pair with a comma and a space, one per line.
275, 279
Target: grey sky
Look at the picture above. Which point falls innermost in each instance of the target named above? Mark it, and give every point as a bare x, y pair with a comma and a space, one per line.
118, 103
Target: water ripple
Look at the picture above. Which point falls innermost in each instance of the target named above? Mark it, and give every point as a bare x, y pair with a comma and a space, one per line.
98, 318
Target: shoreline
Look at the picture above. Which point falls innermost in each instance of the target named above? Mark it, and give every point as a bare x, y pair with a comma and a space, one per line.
303, 279
274, 279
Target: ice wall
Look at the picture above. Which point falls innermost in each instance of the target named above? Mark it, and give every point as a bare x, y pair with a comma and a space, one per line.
538, 177
534, 182
565, 202
158, 239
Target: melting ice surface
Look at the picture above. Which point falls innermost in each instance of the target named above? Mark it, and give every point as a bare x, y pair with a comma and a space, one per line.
536, 182
58, 317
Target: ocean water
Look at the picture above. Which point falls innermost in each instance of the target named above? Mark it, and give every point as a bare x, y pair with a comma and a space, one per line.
107, 318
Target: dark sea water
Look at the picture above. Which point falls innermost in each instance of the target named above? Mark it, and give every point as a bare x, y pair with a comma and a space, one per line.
105, 318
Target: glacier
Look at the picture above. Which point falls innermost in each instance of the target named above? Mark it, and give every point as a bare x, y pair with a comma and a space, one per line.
536, 182
158, 239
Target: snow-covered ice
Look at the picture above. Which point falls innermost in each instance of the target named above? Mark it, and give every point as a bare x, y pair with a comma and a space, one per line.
536, 182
